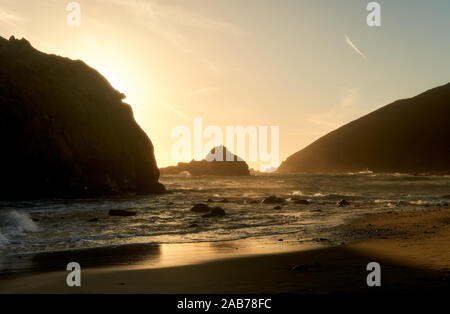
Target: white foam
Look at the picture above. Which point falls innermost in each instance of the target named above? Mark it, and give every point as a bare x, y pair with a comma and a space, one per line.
3, 240
420, 202
21, 222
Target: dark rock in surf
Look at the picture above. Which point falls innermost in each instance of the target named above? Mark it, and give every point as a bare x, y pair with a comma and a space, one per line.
300, 201
121, 212
321, 240
200, 208
342, 203
231, 166
273, 200
215, 211
93, 220
299, 267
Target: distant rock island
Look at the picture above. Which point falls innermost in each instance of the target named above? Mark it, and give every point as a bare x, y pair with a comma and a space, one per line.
65, 131
407, 136
232, 167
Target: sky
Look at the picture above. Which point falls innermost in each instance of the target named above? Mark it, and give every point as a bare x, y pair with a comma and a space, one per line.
306, 66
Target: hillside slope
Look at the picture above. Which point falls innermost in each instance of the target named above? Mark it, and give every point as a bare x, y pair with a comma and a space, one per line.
407, 136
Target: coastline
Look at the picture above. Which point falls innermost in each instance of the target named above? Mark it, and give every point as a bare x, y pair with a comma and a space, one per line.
411, 247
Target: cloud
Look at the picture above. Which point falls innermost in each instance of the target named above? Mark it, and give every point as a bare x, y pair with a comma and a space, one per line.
344, 111
166, 21
325, 123
170, 23
149, 15
177, 112
351, 44
9, 18
206, 90
350, 99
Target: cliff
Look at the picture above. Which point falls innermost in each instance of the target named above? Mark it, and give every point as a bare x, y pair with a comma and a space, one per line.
65, 131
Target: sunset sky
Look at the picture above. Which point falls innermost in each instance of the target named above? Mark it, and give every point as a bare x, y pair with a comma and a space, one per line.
306, 66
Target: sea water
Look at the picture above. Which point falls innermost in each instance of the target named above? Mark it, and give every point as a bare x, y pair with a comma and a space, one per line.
61, 224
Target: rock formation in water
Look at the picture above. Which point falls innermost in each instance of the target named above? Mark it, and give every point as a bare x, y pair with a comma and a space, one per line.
231, 166
408, 136
65, 131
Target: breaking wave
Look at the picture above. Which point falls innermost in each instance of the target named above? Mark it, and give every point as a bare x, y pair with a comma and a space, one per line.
20, 222
3, 241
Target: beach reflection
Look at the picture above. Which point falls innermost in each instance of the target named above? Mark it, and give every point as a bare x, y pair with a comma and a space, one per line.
119, 256
142, 256
194, 253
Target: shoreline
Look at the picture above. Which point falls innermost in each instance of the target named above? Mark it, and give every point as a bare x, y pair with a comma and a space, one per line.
411, 247
151, 255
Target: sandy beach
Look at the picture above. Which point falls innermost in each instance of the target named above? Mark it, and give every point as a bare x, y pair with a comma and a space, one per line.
411, 247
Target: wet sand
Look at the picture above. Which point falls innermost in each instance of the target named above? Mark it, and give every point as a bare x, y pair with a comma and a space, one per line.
411, 247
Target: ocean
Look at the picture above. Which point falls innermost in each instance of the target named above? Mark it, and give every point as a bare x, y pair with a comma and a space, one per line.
59, 224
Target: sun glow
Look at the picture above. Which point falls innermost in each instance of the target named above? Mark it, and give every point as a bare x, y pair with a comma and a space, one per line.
116, 78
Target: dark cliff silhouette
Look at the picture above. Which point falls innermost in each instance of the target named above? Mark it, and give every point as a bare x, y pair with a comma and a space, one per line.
407, 136
227, 167
65, 131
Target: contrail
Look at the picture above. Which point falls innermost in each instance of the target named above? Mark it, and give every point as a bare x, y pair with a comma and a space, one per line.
351, 44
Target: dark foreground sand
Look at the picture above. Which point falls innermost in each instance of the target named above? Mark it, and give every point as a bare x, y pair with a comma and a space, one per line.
411, 246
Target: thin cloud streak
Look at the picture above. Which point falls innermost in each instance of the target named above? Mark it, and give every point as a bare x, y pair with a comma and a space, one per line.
352, 45
9, 18
206, 90
177, 112
346, 110
167, 22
